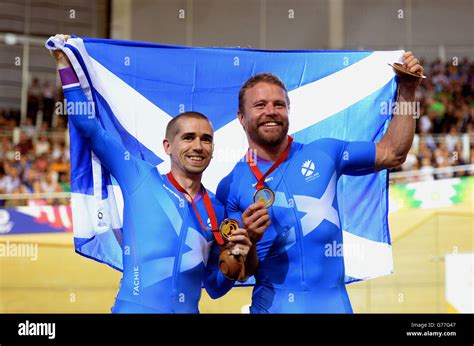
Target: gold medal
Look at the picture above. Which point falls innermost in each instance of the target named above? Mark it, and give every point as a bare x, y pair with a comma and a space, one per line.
227, 227
265, 196
399, 69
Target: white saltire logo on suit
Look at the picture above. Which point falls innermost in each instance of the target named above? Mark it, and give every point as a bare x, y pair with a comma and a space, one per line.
200, 248
318, 209
198, 254
307, 168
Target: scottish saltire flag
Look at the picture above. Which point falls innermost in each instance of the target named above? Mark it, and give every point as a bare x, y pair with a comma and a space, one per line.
136, 88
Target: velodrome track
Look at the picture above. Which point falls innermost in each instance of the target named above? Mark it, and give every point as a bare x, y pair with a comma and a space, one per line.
60, 281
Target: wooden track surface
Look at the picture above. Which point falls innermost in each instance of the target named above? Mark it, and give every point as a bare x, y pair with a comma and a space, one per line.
61, 281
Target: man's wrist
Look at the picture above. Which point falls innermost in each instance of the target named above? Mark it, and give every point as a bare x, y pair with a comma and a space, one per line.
61, 59
254, 237
406, 94
62, 63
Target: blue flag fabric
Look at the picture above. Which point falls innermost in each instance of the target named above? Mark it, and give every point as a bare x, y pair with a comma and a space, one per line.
136, 88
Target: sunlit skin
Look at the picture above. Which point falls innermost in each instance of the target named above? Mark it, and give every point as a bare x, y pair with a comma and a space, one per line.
265, 119
190, 151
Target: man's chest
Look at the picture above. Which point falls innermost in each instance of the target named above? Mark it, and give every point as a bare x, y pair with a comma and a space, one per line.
304, 190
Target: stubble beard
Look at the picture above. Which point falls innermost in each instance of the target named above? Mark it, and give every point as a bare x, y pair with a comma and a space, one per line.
269, 141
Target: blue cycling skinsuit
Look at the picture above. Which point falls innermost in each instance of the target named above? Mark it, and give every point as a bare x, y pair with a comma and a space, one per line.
170, 256
296, 274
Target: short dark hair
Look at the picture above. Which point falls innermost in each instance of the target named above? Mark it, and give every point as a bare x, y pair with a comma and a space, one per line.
172, 128
260, 78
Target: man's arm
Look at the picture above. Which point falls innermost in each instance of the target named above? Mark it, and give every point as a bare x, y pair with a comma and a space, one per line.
215, 283
393, 148
111, 152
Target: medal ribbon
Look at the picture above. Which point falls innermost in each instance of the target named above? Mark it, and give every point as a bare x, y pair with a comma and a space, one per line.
258, 174
207, 204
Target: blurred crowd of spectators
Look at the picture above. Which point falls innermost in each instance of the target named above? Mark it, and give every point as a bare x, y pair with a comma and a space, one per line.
34, 156
446, 114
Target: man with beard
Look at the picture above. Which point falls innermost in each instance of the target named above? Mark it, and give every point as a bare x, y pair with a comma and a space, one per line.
169, 248
294, 275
